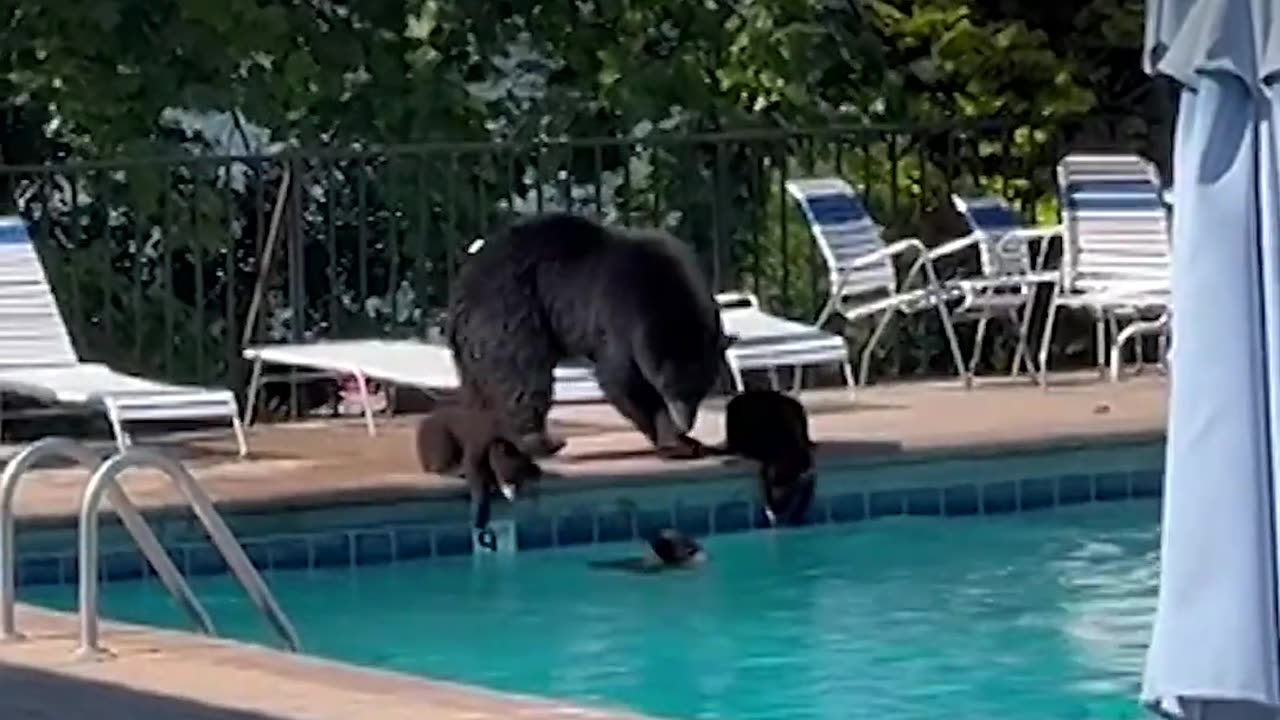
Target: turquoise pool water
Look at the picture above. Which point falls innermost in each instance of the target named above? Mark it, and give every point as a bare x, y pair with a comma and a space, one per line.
1038, 615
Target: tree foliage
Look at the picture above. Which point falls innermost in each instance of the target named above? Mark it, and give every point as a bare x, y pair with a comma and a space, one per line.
372, 237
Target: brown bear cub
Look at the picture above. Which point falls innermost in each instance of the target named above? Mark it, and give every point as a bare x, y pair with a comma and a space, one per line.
460, 439
772, 428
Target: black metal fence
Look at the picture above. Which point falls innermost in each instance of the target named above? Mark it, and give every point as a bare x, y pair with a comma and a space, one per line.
155, 261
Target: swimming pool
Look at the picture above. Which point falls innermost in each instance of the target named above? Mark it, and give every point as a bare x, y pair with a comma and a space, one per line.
1041, 614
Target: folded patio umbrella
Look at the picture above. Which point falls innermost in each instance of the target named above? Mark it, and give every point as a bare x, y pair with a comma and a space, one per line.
1214, 649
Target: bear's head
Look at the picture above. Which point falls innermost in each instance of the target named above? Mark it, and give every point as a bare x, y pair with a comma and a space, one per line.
675, 548
788, 490
512, 468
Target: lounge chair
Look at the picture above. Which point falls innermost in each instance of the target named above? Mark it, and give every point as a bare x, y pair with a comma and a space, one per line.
38, 359
426, 366
1116, 254
862, 279
1009, 274
765, 342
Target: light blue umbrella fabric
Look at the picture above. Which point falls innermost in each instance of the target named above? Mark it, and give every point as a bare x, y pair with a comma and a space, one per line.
1215, 648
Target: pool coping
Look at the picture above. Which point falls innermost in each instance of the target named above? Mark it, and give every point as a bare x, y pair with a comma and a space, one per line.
377, 493
265, 673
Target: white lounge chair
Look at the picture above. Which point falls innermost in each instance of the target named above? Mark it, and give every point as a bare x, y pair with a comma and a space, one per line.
861, 276
39, 360
768, 342
418, 364
1009, 274
1116, 254
764, 342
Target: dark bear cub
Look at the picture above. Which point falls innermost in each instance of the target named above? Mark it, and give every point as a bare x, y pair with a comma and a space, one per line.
470, 441
772, 428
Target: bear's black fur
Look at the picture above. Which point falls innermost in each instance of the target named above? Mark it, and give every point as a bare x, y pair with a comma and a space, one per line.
772, 428
460, 439
559, 286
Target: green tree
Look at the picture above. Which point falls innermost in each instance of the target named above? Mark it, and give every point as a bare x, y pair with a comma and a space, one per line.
127, 76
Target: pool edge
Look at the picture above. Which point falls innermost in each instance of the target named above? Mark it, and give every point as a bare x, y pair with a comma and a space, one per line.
206, 666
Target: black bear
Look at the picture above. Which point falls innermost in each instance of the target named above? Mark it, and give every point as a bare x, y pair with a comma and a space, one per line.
560, 286
458, 438
772, 428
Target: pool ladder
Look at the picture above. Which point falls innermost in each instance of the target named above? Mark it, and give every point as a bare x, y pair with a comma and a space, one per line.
105, 482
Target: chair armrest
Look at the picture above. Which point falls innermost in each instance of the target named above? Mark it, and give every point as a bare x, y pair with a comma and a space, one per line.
951, 247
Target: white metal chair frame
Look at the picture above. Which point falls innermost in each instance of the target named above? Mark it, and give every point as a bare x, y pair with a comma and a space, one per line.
902, 297
1009, 275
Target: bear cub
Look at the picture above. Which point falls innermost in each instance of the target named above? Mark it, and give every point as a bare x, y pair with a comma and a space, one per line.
470, 441
772, 428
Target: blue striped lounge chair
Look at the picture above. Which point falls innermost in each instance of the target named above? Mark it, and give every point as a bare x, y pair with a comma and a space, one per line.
1116, 253
861, 277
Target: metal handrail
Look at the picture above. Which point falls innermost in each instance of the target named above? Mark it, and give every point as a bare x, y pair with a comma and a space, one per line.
130, 517
103, 480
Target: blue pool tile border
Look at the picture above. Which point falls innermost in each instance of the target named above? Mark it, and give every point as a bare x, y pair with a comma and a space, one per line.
844, 502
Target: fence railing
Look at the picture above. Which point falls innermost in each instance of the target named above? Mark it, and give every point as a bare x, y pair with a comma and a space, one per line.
155, 260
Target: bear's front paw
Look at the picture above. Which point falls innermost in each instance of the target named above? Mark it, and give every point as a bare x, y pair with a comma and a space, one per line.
541, 445
682, 447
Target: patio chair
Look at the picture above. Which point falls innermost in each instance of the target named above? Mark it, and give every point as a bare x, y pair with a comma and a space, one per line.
38, 359
1009, 274
767, 342
1116, 253
861, 276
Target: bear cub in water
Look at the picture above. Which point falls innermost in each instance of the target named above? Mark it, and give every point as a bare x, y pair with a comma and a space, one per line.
772, 428
471, 441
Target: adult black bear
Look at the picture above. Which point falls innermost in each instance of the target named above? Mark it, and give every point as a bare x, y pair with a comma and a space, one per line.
453, 439
559, 286
772, 428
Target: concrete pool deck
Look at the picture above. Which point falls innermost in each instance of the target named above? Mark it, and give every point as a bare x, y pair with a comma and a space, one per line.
334, 462
319, 463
